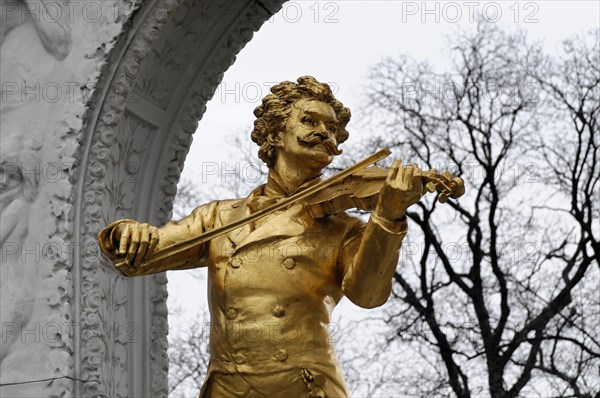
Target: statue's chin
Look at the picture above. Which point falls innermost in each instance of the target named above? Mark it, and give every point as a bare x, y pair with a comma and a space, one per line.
321, 158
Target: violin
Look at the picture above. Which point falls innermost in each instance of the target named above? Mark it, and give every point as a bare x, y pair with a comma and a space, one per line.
356, 187
361, 189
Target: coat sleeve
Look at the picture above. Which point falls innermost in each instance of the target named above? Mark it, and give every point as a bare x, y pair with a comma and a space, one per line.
202, 219
369, 258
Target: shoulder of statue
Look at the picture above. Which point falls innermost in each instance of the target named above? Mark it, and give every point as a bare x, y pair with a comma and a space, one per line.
225, 210
228, 204
217, 205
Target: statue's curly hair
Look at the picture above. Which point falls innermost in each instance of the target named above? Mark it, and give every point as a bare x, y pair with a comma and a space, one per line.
272, 114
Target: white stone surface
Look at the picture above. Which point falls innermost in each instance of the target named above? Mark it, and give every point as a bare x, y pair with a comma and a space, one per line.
98, 107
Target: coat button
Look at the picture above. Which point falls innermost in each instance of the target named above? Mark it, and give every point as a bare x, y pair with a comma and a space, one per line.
281, 355
289, 263
278, 311
239, 358
231, 313
235, 262
319, 380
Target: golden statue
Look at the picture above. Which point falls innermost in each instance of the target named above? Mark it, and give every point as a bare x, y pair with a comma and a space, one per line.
281, 259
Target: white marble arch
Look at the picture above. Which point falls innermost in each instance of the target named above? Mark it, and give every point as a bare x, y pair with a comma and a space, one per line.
137, 130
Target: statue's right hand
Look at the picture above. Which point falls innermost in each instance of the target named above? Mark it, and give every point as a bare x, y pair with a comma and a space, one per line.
136, 241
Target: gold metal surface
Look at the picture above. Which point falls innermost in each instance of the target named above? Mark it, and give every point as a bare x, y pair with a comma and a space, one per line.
159, 262
279, 260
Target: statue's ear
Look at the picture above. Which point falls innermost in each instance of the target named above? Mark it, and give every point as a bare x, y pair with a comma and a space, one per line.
275, 139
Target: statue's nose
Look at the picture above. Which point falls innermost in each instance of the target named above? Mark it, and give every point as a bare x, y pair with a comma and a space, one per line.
322, 133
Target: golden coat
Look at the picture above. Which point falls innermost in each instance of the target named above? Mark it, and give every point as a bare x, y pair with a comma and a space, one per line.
272, 286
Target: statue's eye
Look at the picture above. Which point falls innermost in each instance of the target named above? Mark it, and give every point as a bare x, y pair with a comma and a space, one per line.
309, 121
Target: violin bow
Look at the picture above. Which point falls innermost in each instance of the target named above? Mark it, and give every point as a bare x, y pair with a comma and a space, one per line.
152, 265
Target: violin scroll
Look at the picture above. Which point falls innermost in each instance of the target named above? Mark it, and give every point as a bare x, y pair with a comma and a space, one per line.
444, 183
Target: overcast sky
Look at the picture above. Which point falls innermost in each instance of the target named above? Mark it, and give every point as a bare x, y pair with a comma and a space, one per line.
337, 42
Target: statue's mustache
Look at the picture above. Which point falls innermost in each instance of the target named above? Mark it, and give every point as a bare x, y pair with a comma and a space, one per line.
316, 139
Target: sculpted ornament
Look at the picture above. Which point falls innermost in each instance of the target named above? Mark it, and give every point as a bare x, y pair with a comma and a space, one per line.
51, 19
18, 190
281, 259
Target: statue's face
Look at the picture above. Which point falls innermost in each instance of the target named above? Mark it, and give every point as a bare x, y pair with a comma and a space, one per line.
309, 134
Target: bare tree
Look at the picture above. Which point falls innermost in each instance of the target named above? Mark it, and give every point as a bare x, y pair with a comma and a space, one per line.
495, 294
572, 83
506, 281
188, 354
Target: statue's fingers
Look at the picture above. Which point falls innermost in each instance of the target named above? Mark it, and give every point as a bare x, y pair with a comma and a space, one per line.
407, 177
153, 241
393, 172
133, 245
430, 187
144, 243
124, 242
417, 183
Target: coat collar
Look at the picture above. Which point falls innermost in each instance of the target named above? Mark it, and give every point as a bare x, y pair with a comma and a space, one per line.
280, 225
275, 186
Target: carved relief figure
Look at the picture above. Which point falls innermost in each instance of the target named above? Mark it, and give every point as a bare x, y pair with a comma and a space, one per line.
51, 20
19, 79
18, 190
274, 282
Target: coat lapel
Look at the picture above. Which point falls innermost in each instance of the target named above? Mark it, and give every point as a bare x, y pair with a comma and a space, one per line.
238, 211
281, 225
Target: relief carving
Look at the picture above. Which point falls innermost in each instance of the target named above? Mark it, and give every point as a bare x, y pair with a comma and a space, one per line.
114, 157
50, 17
113, 145
18, 190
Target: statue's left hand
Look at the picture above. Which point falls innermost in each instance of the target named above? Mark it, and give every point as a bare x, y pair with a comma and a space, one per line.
403, 188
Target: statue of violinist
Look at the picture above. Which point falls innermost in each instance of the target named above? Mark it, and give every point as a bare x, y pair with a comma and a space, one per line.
273, 282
